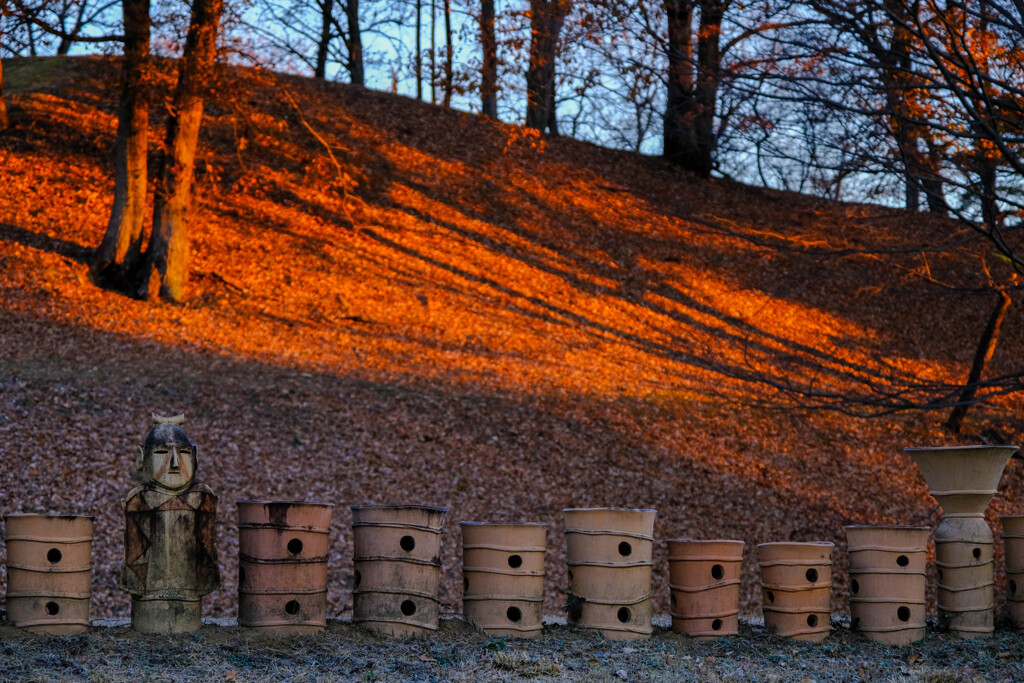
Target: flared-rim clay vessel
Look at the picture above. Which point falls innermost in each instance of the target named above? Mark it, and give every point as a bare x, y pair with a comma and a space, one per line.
49, 572
282, 565
1013, 558
887, 581
963, 480
397, 573
609, 553
796, 588
704, 580
503, 576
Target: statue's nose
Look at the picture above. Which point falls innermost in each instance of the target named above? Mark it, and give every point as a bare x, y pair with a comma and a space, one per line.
175, 461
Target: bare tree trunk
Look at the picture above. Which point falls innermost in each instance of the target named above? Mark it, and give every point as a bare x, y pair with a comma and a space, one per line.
552, 115
489, 67
419, 50
165, 271
324, 43
678, 135
433, 51
449, 70
709, 77
986, 348
4, 121
355, 44
120, 252
546, 19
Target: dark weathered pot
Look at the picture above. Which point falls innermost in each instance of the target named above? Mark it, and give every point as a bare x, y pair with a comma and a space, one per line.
282, 565
397, 567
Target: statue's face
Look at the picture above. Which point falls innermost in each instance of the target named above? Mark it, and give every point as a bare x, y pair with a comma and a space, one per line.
168, 463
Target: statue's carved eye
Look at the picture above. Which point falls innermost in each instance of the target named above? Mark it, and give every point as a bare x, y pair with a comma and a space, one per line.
160, 451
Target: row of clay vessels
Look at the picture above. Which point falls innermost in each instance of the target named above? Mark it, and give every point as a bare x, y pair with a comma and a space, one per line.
170, 562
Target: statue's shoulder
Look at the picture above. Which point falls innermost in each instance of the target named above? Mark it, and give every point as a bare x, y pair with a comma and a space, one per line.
200, 487
132, 496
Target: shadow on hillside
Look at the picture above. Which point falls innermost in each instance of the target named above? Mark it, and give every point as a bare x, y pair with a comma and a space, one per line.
275, 432
758, 212
758, 356
35, 240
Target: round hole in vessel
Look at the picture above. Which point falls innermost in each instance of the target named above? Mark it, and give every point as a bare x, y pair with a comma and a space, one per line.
514, 614
292, 607
356, 578
407, 543
673, 601
408, 608
977, 553
716, 625
52, 608
295, 546
812, 574
771, 598
717, 572
465, 584
625, 549
241, 575
903, 560
1013, 587
854, 586
903, 613
54, 556
812, 620
515, 561
624, 614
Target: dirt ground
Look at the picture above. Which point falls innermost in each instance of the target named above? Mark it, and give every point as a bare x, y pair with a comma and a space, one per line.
458, 652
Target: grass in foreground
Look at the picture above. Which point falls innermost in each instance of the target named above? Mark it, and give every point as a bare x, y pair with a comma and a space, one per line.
458, 652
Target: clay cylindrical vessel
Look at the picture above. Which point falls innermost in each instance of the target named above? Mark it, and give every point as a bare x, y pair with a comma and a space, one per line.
887, 581
609, 552
503, 577
1013, 556
963, 480
282, 565
704, 579
49, 572
796, 587
397, 567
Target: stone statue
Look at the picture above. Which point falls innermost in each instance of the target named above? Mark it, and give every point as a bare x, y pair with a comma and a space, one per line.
170, 553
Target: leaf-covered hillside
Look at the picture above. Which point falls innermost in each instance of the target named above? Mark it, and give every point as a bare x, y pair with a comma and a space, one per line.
392, 302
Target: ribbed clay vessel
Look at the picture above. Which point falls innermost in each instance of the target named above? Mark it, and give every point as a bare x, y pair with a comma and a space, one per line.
609, 552
282, 565
503, 577
887, 581
963, 480
796, 588
49, 572
397, 567
704, 578
1013, 552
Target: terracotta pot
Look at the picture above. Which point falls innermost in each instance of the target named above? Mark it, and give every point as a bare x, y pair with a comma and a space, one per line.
503, 577
704, 579
49, 572
282, 565
397, 567
963, 480
1013, 554
887, 581
796, 587
609, 553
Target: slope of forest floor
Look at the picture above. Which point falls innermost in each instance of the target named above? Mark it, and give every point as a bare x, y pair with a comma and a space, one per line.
391, 302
